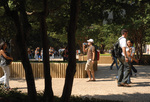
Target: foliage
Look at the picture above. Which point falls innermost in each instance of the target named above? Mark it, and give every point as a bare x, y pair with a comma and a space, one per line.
57, 21
17, 96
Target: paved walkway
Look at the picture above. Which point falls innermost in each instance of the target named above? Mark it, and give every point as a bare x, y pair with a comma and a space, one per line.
104, 88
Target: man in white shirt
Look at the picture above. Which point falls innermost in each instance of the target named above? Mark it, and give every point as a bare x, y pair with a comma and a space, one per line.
125, 66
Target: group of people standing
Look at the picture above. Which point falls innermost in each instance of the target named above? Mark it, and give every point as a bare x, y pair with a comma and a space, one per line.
38, 53
124, 68
125, 61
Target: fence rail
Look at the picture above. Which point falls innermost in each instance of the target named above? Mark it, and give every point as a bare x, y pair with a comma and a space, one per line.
57, 70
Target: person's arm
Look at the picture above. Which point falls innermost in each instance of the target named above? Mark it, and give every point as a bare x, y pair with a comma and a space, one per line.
5, 56
84, 49
132, 58
93, 51
124, 52
93, 57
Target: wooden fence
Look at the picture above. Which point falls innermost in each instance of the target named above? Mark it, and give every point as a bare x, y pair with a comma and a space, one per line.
58, 70
102, 60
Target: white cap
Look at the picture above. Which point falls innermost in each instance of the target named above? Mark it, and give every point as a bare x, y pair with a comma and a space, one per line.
90, 40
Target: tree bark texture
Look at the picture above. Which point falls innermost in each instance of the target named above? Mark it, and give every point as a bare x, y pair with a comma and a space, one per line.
71, 69
48, 92
21, 43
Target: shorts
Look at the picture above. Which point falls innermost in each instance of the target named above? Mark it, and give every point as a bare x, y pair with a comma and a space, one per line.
89, 65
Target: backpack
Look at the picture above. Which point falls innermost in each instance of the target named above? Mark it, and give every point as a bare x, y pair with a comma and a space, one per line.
117, 50
97, 53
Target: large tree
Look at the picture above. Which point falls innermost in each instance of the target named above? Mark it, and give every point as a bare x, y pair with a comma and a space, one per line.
48, 92
71, 69
19, 17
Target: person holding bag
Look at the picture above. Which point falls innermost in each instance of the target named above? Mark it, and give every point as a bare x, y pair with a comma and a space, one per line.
5, 60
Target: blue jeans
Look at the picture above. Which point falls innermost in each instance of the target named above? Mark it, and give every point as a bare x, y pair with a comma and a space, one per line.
115, 61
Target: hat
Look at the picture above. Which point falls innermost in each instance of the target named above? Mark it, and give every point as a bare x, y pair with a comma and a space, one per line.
90, 40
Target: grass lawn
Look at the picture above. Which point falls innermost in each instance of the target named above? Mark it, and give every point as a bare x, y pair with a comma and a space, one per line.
106, 54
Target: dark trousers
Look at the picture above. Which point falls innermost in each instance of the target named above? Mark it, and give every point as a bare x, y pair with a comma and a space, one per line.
115, 61
133, 68
124, 70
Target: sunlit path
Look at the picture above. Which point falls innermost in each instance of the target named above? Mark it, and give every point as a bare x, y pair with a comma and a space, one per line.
105, 87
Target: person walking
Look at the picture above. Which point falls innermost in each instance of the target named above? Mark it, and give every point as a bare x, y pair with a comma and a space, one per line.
4, 64
90, 59
124, 64
114, 62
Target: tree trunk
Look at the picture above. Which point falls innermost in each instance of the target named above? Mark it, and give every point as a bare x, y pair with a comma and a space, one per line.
71, 69
20, 42
48, 92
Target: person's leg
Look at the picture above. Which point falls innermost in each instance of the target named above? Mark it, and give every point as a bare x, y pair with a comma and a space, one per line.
89, 74
92, 70
93, 75
120, 70
112, 64
133, 68
6, 74
127, 66
2, 79
129, 78
87, 68
115, 59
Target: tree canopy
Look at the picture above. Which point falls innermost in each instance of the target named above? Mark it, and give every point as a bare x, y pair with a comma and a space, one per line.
130, 14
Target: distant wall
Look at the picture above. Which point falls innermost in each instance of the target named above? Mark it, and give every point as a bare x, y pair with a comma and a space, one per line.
102, 60
108, 59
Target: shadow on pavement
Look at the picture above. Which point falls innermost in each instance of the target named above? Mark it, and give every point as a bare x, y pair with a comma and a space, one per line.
124, 97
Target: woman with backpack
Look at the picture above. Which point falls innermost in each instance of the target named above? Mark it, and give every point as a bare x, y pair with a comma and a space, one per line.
5, 60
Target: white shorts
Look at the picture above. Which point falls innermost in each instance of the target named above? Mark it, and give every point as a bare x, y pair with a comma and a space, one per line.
89, 65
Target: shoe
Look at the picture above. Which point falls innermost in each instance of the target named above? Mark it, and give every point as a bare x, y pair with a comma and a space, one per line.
89, 80
93, 80
120, 85
125, 85
129, 83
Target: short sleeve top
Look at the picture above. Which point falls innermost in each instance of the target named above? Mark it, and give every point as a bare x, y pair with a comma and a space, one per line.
123, 43
91, 49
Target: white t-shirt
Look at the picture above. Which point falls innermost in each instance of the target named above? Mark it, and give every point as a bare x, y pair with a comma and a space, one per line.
133, 51
122, 42
127, 49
